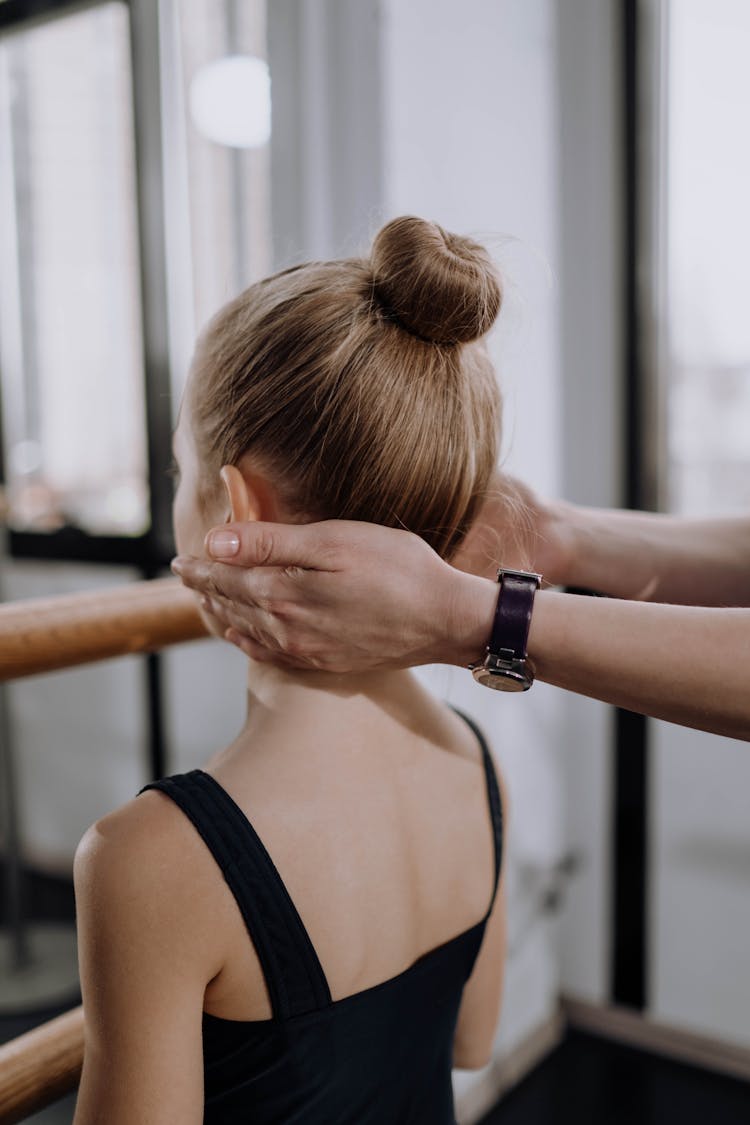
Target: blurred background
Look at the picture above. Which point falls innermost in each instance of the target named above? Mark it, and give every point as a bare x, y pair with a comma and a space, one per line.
158, 155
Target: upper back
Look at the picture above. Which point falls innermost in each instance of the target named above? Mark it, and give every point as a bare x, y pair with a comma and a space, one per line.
384, 843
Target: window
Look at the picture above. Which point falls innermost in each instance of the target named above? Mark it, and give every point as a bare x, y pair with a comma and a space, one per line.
71, 344
86, 368
217, 160
705, 187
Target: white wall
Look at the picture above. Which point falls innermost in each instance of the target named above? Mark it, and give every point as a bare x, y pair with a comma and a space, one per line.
78, 737
470, 140
699, 867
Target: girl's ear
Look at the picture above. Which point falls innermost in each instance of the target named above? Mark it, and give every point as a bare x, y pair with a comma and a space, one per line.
244, 503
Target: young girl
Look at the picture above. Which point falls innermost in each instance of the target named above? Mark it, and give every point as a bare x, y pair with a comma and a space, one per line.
310, 929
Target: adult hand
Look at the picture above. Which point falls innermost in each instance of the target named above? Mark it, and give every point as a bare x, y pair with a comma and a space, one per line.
340, 596
518, 528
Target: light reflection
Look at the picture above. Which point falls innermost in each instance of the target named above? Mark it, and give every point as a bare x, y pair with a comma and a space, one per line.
230, 101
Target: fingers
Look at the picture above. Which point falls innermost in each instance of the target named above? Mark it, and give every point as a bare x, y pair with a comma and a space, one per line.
250, 647
270, 544
264, 655
216, 580
304, 595
239, 619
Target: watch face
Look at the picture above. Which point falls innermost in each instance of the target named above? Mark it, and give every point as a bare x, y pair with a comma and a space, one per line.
501, 680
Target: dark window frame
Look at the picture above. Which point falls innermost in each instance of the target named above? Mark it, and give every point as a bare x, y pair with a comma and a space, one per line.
151, 551
629, 983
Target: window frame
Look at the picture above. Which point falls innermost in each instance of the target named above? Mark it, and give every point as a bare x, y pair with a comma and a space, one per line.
151, 551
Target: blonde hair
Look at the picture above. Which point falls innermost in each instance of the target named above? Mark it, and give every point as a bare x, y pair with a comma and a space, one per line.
362, 387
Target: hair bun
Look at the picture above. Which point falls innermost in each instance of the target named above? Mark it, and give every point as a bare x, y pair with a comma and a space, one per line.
439, 286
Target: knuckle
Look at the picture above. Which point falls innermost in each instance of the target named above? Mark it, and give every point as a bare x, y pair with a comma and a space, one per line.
329, 539
264, 596
211, 586
295, 648
265, 547
267, 643
268, 605
282, 609
293, 573
302, 654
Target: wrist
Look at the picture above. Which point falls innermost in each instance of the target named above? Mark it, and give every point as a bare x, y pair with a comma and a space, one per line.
545, 622
468, 622
562, 531
605, 551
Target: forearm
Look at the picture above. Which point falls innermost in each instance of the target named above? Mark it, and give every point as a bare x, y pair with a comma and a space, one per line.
687, 665
651, 557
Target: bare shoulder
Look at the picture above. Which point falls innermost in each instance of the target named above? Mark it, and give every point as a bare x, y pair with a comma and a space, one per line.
125, 843
144, 866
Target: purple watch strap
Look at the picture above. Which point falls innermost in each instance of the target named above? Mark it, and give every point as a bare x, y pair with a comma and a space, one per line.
510, 629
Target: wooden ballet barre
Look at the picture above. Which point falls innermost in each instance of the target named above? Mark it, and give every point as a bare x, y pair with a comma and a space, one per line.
41, 1066
44, 634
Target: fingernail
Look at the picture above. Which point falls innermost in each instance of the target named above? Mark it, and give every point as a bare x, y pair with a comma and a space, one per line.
176, 566
222, 544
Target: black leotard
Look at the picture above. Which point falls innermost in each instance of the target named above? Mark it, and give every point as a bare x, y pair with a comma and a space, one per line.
379, 1057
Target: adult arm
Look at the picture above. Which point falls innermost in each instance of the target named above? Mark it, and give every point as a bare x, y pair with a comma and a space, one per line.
686, 664
635, 555
659, 558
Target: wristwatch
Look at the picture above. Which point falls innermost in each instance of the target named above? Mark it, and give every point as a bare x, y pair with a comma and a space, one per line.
506, 666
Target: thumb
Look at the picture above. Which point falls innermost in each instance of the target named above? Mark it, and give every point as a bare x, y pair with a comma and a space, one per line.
270, 544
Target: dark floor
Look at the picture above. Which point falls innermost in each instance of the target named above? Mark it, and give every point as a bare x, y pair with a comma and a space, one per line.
592, 1081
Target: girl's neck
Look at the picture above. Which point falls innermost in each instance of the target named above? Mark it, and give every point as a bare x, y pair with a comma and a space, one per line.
274, 690
319, 714
282, 696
